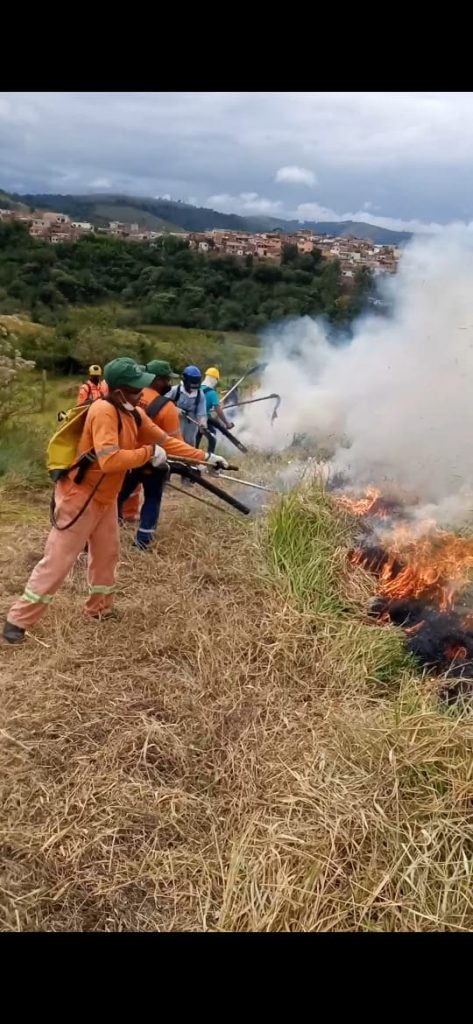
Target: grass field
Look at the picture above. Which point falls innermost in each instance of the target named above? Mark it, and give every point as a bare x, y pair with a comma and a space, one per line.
242, 751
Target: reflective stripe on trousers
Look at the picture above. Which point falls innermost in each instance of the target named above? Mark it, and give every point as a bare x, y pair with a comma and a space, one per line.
98, 528
28, 595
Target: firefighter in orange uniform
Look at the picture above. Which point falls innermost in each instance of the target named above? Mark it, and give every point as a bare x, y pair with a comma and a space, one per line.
119, 437
90, 391
164, 414
92, 388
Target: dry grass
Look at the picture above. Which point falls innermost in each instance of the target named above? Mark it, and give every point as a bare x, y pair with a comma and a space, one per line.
238, 753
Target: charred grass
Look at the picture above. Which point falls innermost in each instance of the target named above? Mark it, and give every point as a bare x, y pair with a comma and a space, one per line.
240, 751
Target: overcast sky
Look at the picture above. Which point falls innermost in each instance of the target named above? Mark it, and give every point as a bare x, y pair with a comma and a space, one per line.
401, 160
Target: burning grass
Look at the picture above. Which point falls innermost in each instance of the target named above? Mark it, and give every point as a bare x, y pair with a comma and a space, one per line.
422, 573
238, 753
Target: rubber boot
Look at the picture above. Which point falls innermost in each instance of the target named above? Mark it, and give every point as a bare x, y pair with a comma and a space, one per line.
13, 634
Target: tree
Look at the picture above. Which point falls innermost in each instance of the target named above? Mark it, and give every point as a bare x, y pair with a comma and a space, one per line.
164, 283
267, 273
230, 316
12, 369
290, 253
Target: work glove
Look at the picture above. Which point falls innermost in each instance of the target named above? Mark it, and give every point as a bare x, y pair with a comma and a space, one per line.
159, 457
216, 460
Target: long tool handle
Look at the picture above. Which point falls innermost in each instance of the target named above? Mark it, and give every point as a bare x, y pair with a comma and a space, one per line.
259, 366
203, 430
238, 444
191, 474
176, 459
210, 504
246, 483
251, 401
223, 495
231, 437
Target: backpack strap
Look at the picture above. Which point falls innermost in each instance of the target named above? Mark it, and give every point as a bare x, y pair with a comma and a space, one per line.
156, 405
178, 395
135, 415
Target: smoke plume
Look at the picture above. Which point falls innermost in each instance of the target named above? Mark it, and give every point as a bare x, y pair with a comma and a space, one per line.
394, 406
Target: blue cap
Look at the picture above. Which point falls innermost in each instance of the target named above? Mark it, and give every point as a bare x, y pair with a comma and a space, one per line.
192, 371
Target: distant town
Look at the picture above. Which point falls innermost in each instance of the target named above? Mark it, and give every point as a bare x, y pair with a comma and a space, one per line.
353, 253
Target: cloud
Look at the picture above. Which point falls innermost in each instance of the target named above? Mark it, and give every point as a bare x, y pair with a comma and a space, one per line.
411, 153
245, 202
296, 176
252, 204
101, 183
313, 211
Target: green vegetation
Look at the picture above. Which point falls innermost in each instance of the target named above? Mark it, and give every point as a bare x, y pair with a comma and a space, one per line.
105, 212
166, 283
96, 334
307, 541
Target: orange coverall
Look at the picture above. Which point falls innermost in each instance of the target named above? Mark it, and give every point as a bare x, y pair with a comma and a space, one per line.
97, 526
89, 392
168, 420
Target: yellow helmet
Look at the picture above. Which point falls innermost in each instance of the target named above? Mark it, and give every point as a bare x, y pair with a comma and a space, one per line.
95, 370
213, 372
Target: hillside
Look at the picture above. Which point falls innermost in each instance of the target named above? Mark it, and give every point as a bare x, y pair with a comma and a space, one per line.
173, 215
128, 214
239, 752
169, 284
7, 202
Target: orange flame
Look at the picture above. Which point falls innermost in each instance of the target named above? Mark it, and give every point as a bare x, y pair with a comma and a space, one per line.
434, 566
361, 506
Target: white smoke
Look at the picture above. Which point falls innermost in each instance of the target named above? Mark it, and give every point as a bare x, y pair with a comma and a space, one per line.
394, 406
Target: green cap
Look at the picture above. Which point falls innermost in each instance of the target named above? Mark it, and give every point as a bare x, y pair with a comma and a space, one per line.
160, 368
125, 373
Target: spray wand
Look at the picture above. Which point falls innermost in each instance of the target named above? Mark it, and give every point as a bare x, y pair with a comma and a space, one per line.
234, 440
265, 398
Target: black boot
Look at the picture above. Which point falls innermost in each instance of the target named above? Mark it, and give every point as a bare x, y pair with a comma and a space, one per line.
13, 634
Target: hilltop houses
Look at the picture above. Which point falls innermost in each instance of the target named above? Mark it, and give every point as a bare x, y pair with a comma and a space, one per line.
352, 252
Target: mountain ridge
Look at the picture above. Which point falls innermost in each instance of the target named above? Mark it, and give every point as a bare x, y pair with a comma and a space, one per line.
174, 215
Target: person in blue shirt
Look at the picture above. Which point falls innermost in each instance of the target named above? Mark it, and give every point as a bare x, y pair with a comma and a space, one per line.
190, 399
213, 407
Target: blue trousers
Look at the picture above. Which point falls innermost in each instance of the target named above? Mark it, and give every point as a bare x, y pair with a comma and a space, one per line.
153, 483
211, 444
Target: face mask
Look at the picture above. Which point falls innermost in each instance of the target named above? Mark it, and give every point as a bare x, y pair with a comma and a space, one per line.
126, 405
189, 388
